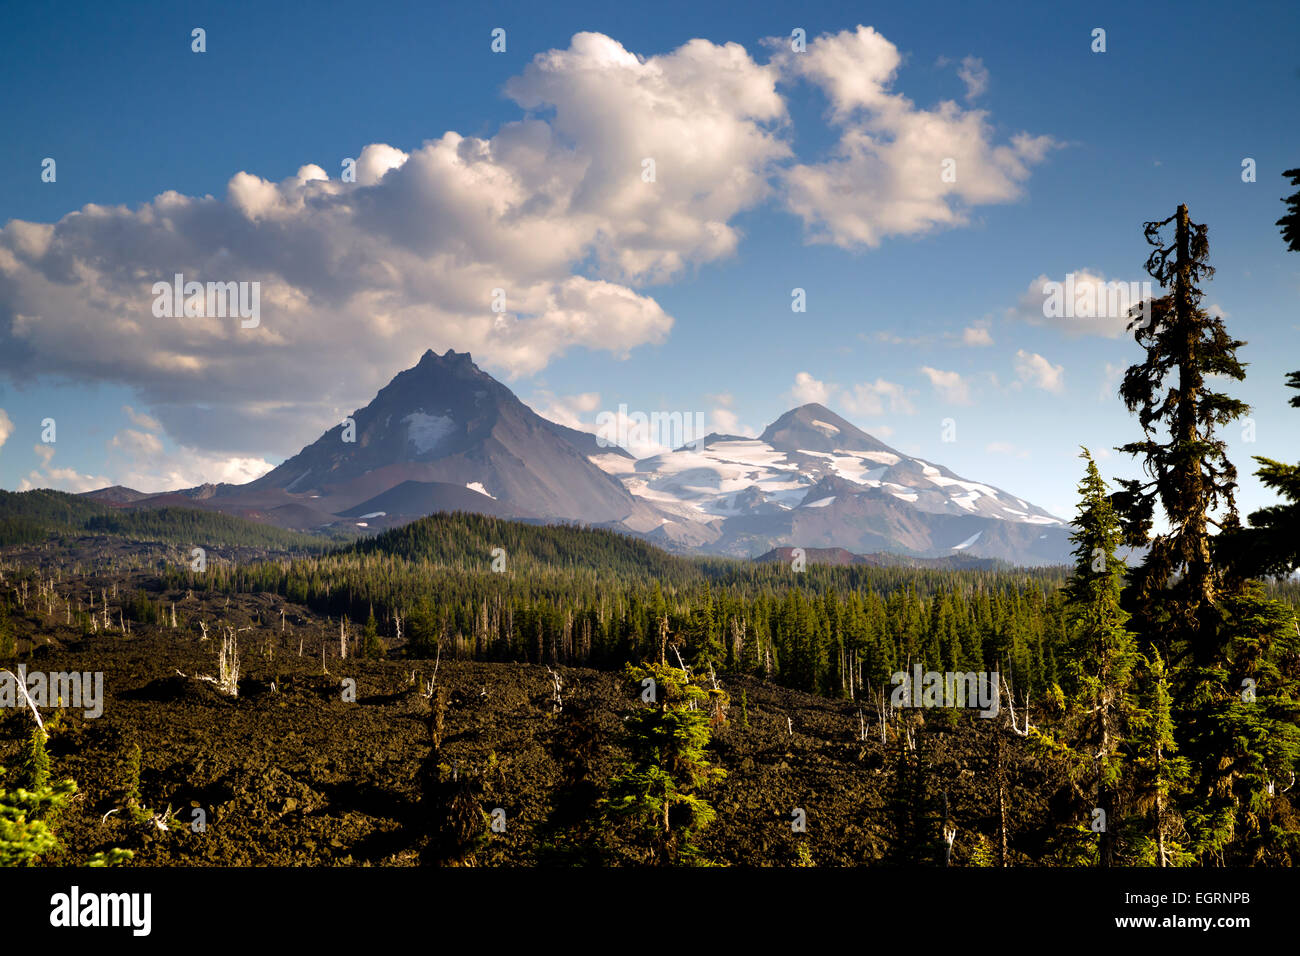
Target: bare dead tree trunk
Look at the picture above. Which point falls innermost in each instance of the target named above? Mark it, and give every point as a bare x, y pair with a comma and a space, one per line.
949, 833
1002, 802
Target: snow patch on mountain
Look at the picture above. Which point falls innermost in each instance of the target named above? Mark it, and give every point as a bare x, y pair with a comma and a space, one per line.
425, 432
478, 486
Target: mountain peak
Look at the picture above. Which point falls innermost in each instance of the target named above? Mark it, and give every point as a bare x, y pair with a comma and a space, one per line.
814, 427
810, 408
430, 358
445, 435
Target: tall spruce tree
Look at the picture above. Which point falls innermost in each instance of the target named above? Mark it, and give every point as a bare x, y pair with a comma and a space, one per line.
1214, 632
1190, 476
371, 645
1103, 650
34, 772
1160, 774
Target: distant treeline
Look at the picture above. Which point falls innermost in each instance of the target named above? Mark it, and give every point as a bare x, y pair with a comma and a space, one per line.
30, 517
577, 596
569, 595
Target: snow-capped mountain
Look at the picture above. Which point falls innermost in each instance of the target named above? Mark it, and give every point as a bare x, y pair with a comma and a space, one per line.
795, 463
813, 479
446, 436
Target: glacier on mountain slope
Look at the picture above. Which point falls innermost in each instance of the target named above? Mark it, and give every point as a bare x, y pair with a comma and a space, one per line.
705, 483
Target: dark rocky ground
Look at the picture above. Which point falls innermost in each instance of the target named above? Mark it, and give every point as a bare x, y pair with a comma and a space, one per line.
299, 776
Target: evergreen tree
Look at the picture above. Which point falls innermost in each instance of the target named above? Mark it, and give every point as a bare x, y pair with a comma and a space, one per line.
1247, 706
424, 630
914, 809
1204, 621
1191, 478
35, 769
28, 814
659, 790
705, 636
25, 831
1160, 773
371, 646
1103, 651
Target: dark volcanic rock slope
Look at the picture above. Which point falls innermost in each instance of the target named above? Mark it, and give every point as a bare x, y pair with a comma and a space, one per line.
447, 422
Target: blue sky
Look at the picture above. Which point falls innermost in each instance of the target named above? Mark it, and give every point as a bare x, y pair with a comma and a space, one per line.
674, 297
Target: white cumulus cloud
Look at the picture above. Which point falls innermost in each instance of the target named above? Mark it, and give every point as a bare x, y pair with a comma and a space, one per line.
885, 176
1037, 371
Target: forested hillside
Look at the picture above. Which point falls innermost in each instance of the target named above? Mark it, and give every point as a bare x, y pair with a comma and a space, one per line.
30, 517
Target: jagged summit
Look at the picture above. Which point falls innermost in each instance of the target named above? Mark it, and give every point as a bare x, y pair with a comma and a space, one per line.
431, 359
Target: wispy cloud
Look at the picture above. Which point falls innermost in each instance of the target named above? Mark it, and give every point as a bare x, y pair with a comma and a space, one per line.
977, 335
868, 399
949, 386
975, 75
